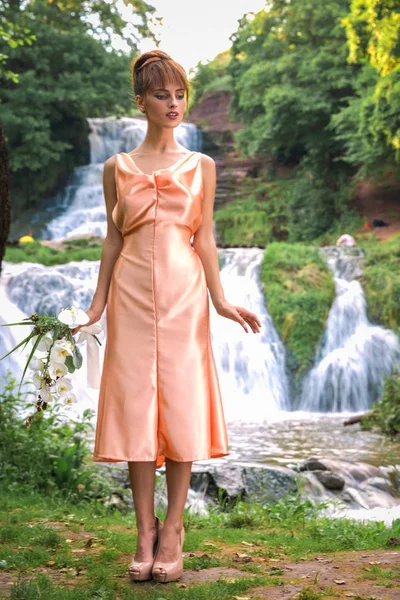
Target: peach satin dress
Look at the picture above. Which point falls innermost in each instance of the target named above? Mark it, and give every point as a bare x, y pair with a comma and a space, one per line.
159, 392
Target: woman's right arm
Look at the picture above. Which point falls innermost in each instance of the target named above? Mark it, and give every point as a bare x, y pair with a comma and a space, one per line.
111, 247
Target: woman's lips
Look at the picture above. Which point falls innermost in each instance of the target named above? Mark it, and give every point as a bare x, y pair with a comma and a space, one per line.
175, 116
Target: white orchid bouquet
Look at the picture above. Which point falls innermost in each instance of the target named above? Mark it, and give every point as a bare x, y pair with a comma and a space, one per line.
55, 354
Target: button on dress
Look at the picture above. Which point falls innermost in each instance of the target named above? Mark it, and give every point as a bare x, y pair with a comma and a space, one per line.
159, 394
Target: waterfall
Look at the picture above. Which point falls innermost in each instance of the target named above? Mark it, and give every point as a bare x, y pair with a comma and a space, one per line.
251, 366
81, 202
355, 355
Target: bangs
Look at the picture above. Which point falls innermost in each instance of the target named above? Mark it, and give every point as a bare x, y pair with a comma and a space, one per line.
161, 74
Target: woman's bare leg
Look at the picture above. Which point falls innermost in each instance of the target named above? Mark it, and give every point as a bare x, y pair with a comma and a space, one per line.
178, 479
142, 476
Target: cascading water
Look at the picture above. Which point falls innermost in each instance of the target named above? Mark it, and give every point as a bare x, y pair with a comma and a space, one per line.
355, 355
251, 366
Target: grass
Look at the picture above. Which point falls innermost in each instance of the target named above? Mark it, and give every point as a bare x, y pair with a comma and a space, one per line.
382, 577
54, 549
381, 281
243, 222
35, 252
299, 292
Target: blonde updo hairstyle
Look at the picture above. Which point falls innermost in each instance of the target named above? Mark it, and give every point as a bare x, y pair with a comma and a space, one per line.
155, 69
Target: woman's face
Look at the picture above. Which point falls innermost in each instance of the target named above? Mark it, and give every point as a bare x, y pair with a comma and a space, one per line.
161, 101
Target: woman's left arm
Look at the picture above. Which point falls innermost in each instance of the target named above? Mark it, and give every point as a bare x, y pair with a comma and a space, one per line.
205, 247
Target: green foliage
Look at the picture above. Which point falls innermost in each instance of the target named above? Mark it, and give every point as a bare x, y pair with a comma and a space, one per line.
51, 456
385, 413
373, 30
67, 75
305, 106
243, 223
220, 84
210, 76
36, 252
30, 540
381, 281
299, 291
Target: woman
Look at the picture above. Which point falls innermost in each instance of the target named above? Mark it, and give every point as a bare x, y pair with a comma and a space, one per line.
159, 394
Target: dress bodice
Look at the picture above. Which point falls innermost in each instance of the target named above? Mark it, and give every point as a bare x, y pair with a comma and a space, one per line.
171, 196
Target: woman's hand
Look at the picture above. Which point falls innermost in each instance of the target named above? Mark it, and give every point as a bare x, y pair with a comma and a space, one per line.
241, 315
93, 315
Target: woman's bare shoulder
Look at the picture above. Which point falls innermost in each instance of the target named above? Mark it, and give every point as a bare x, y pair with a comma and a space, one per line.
207, 162
109, 167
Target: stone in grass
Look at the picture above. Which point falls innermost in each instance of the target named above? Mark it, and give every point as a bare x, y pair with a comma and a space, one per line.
332, 481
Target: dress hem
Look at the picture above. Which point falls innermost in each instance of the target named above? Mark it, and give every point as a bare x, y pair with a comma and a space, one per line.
99, 458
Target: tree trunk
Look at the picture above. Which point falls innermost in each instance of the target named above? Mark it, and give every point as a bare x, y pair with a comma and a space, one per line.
4, 200
356, 419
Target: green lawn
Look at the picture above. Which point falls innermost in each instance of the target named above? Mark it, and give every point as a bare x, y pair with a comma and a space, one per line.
53, 550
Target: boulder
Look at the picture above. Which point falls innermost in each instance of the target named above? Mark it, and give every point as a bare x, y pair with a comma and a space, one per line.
313, 464
332, 481
240, 482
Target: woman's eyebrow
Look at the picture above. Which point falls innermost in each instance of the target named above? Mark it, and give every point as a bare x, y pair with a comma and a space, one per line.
164, 90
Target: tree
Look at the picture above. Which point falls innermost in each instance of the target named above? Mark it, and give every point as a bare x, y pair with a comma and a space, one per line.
291, 74
373, 33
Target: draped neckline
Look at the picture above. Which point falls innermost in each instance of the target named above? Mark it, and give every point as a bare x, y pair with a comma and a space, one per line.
175, 164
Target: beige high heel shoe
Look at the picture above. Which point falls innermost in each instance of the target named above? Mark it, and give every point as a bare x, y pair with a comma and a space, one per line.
141, 571
170, 571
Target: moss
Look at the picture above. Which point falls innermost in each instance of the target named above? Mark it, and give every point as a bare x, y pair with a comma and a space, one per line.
243, 223
381, 281
35, 252
385, 413
299, 290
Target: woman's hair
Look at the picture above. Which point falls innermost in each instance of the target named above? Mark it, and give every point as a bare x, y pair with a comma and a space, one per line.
155, 69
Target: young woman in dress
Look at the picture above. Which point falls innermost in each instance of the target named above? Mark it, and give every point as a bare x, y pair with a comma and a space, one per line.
159, 392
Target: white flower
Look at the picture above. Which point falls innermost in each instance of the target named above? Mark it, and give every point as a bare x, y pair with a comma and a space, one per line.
57, 369
45, 394
63, 386
68, 398
37, 380
44, 343
36, 364
73, 317
61, 350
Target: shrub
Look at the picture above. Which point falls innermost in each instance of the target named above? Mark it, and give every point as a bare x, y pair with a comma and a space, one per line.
38, 253
52, 455
381, 282
385, 413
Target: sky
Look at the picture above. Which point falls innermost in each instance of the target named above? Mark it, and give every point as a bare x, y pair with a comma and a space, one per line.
197, 30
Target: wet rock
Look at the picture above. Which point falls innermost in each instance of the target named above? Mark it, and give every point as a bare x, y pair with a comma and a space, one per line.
262, 484
380, 483
313, 464
332, 481
360, 471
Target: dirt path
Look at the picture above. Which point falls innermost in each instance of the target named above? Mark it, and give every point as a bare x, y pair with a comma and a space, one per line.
362, 575
347, 574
